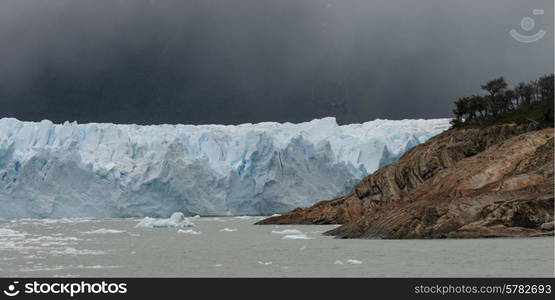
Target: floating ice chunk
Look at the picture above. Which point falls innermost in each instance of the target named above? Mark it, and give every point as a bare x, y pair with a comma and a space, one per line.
287, 231
303, 247
211, 219
147, 222
264, 263
103, 231
301, 236
7, 258
244, 217
275, 215
177, 219
4, 232
96, 267
189, 231
218, 265
61, 220
38, 269
354, 262
53, 240
196, 217
228, 229
73, 251
338, 262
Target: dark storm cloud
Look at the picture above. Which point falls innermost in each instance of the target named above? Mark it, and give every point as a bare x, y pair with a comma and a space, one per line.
235, 61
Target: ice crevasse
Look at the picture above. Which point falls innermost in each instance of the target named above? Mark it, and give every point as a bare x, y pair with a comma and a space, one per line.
102, 170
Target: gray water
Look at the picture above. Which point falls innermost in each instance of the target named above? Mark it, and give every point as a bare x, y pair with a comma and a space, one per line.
48, 248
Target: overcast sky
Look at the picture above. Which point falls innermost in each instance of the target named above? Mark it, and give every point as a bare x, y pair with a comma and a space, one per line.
238, 61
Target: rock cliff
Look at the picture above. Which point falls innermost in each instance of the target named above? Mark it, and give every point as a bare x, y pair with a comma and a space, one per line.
470, 182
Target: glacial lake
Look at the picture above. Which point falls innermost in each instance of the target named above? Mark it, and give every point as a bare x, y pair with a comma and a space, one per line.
233, 247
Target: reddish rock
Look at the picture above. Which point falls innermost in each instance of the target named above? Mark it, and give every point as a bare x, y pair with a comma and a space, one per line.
495, 181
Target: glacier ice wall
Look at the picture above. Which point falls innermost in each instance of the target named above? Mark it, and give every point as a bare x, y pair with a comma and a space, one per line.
104, 170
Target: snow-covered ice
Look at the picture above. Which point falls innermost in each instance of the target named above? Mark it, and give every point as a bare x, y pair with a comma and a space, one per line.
104, 170
177, 219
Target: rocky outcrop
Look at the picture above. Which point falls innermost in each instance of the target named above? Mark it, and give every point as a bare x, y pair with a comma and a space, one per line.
495, 181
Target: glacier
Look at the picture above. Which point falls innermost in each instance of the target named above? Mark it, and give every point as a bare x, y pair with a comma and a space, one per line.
101, 170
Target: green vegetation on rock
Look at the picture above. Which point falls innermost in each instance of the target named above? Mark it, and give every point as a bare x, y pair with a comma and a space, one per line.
527, 103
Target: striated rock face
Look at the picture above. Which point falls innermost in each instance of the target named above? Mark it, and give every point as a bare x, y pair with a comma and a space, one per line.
495, 181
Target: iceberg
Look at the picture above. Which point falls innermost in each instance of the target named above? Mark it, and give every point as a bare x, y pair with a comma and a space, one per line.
177, 219
96, 170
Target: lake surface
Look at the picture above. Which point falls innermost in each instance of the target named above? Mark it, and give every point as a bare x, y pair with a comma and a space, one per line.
233, 247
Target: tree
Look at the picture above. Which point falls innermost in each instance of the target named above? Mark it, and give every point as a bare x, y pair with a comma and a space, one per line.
507, 100
465, 109
545, 93
495, 99
545, 88
501, 100
460, 109
524, 93
495, 86
478, 105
